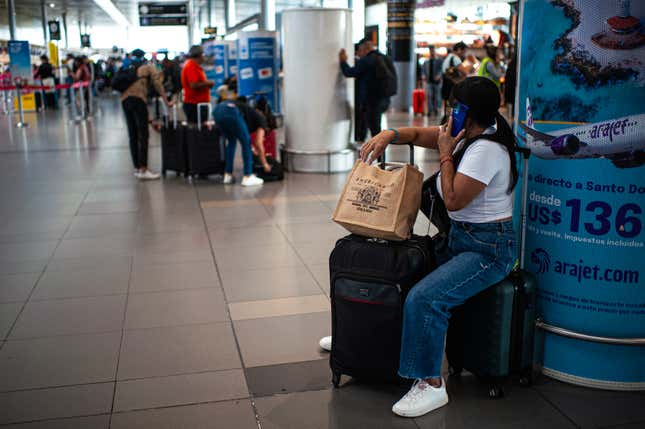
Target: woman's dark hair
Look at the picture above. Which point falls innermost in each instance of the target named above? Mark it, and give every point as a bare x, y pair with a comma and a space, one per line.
482, 97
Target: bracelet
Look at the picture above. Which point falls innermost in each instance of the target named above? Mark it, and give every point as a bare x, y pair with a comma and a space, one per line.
443, 161
445, 158
396, 135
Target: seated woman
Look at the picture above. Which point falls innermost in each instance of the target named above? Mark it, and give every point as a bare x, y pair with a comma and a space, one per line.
477, 175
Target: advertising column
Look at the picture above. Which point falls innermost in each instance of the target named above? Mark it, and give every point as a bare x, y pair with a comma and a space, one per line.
581, 111
215, 64
257, 60
400, 38
20, 68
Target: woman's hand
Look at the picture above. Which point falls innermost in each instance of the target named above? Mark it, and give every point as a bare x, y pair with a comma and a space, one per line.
446, 142
374, 148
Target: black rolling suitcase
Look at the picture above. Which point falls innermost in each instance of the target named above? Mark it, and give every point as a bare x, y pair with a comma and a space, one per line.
370, 279
204, 147
173, 145
491, 334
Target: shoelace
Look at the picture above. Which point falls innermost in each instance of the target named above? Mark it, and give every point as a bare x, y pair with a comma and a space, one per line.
416, 390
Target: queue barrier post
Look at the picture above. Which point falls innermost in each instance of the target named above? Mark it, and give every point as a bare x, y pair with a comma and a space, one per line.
21, 116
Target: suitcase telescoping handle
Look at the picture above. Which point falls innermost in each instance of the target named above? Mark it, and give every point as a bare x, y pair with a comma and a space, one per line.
199, 113
165, 115
526, 154
382, 157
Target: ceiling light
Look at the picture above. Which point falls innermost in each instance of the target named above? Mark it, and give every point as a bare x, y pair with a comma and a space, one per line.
52, 5
114, 13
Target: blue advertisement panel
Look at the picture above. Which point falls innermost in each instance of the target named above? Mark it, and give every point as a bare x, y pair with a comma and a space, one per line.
581, 111
231, 58
257, 60
20, 60
215, 63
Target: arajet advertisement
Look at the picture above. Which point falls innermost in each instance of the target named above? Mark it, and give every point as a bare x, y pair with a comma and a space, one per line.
581, 111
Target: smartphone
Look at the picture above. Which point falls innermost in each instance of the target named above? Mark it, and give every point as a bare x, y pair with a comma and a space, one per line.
459, 112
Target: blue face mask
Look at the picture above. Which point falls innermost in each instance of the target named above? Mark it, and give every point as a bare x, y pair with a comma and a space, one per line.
459, 112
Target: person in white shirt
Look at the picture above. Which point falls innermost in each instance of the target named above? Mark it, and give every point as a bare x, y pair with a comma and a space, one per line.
477, 176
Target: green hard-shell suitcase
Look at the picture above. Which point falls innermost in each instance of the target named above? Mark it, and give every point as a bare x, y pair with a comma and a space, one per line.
492, 334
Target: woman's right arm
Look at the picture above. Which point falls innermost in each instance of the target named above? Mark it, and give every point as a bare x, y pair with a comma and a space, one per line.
418, 136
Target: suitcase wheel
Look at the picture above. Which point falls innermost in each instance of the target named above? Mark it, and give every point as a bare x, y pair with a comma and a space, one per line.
495, 392
526, 378
335, 379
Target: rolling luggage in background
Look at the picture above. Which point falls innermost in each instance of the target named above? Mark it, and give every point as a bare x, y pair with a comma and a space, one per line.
370, 279
491, 334
270, 146
204, 147
418, 101
173, 144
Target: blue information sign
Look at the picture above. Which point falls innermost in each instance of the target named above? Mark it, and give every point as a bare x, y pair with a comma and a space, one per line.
257, 60
215, 65
20, 60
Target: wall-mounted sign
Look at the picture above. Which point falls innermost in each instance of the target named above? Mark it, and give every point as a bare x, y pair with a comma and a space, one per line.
19, 59
151, 14
85, 41
54, 30
210, 31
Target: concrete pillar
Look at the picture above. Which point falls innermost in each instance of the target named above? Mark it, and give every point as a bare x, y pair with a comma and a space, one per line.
358, 19
64, 17
11, 9
267, 15
209, 11
43, 18
400, 38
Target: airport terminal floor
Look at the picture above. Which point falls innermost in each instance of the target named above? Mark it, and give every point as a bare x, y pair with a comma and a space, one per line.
166, 304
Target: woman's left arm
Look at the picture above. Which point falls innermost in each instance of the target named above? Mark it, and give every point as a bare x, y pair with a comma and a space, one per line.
458, 190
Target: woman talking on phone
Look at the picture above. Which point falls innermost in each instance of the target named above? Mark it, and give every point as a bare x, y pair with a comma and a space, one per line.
477, 175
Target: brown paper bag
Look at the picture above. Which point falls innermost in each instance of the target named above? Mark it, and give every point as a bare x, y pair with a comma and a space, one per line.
380, 203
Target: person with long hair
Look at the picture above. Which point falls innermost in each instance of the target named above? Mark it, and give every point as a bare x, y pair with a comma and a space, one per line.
478, 173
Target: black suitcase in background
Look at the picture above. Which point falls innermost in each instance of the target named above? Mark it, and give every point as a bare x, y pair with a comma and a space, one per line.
173, 145
492, 334
370, 279
204, 147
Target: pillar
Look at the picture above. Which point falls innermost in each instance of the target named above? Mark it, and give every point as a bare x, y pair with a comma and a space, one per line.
400, 39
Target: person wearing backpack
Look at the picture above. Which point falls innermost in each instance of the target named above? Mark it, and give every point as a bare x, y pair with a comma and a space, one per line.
377, 82
134, 83
453, 73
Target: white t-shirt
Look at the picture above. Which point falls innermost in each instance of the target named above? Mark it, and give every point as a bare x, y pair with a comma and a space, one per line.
452, 60
487, 162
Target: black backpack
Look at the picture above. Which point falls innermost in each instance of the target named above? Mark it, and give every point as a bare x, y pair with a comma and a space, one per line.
125, 77
386, 84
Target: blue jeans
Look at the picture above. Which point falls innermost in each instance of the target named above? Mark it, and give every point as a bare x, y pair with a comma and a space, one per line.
230, 122
480, 255
434, 97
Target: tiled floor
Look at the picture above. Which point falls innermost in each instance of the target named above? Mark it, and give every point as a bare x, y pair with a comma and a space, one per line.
171, 305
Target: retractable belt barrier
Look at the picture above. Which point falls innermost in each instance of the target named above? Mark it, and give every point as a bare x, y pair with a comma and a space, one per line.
28, 89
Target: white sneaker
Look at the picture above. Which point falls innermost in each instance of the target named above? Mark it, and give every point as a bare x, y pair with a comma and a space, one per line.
228, 179
421, 399
148, 175
325, 343
137, 173
252, 180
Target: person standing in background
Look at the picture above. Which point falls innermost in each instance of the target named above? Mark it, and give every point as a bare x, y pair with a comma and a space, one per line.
370, 92
432, 71
453, 73
510, 81
490, 66
193, 81
135, 106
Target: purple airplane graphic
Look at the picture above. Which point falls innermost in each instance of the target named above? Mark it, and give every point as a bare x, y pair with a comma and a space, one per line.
620, 140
